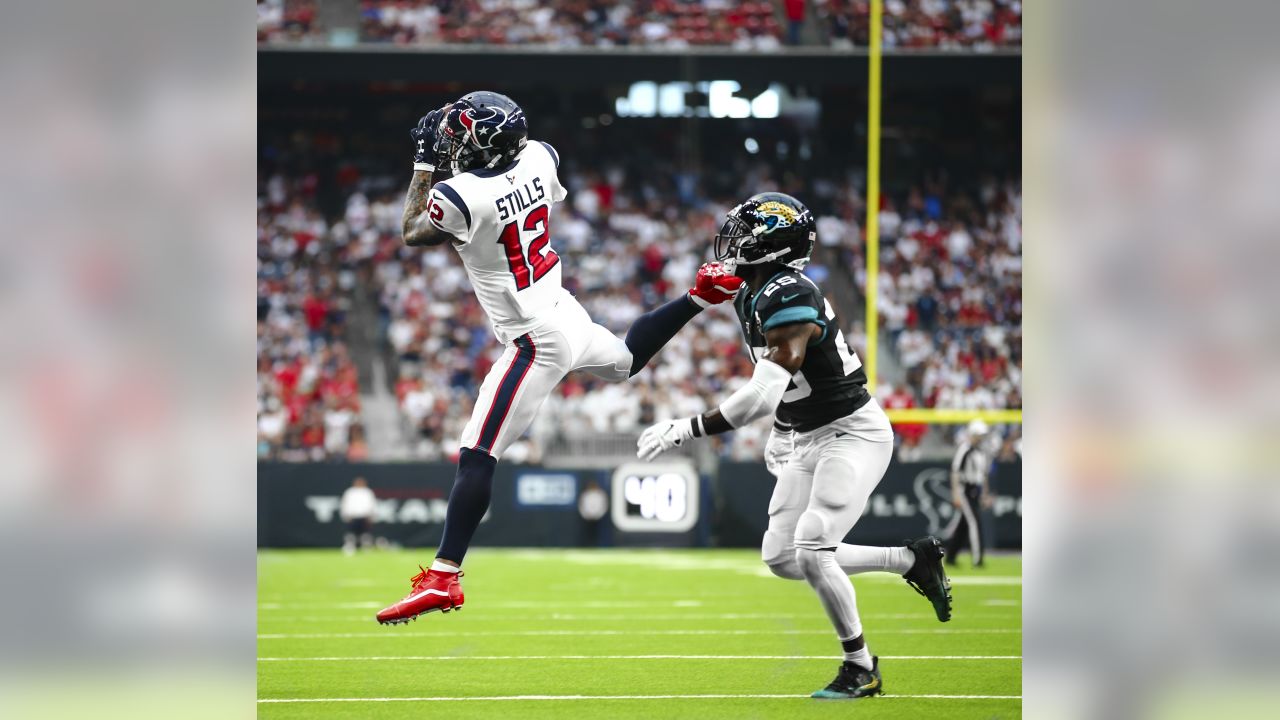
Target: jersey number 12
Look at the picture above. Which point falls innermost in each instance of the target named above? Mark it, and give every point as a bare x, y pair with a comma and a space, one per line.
540, 257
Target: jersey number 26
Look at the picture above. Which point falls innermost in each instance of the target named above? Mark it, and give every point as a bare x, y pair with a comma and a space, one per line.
540, 257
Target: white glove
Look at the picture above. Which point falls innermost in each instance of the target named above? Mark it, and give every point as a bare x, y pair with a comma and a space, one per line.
777, 451
661, 437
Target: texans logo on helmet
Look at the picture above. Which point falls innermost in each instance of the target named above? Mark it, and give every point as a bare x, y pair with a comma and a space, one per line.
469, 118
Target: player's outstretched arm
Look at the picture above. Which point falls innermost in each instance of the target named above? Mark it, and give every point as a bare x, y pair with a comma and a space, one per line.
760, 397
653, 330
417, 229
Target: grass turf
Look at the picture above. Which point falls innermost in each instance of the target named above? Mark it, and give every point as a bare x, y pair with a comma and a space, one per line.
559, 623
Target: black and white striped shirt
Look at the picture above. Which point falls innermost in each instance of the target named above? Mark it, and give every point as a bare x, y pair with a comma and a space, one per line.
971, 463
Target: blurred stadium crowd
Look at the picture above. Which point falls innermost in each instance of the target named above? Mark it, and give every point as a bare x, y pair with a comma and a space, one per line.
760, 25
950, 303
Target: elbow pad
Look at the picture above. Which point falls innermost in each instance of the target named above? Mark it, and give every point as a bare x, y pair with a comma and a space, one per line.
759, 397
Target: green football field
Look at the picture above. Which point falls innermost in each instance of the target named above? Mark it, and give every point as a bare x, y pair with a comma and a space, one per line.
621, 634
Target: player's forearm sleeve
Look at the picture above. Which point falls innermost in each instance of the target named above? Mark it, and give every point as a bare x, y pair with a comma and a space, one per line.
759, 397
653, 329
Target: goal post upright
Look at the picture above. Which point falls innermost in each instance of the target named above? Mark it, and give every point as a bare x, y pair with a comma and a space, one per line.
872, 245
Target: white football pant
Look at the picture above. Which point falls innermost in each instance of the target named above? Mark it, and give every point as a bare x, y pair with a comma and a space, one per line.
530, 368
822, 490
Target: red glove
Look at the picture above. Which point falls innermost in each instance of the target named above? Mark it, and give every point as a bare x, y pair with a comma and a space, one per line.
714, 285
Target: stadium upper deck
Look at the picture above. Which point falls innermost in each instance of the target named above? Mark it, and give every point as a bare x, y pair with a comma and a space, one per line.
957, 25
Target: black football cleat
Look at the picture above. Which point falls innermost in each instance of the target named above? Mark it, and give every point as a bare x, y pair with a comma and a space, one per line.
853, 682
927, 575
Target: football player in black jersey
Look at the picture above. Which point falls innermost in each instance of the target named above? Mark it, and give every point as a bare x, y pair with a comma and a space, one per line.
830, 443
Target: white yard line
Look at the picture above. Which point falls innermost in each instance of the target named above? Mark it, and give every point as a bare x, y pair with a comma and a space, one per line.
629, 617
510, 604
366, 605
824, 658
877, 578
992, 614
987, 580
392, 633
520, 698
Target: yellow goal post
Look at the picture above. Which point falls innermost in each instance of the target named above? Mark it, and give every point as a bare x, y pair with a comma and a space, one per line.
872, 322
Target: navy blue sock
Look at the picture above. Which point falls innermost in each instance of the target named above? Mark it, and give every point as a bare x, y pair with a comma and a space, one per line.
468, 502
653, 329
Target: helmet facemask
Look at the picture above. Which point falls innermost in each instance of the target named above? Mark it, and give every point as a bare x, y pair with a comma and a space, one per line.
728, 244
458, 148
738, 243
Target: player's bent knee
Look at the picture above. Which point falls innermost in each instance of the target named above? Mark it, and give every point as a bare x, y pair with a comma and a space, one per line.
811, 529
787, 569
620, 372
475, 464
779, 554
618, 367
610, 373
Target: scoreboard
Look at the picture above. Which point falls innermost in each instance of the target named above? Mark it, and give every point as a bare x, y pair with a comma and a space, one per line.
655, 497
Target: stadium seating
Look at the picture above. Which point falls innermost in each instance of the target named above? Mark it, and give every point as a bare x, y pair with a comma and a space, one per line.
926, 24
909, 24
308, 390
284, 21
950, 300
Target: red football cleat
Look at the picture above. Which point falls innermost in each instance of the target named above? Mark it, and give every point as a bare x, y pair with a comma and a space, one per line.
432, 591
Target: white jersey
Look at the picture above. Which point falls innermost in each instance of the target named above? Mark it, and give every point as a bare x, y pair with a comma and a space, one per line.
500, 221
358, 502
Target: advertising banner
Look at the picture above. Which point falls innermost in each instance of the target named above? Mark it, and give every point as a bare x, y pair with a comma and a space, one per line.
651, 504
913, 499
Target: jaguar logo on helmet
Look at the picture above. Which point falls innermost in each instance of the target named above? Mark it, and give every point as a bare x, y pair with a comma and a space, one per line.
775, 216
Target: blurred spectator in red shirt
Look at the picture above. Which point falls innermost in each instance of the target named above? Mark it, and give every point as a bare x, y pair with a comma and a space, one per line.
316, 311
795, 20
910, 434
313, 436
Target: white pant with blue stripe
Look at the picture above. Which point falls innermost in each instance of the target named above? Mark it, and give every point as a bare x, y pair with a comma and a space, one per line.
531, 367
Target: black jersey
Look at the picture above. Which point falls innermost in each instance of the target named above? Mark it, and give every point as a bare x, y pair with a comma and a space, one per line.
830, 384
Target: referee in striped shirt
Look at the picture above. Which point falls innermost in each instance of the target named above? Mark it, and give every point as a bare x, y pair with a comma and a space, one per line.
970, 492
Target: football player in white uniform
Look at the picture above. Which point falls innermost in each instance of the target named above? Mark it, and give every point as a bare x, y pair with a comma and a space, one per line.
481, 186
831, 443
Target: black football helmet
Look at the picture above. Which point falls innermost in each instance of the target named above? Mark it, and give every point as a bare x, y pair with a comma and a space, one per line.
481, 130
769, 227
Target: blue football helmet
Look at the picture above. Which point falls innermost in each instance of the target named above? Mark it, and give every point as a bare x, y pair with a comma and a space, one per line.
482, 130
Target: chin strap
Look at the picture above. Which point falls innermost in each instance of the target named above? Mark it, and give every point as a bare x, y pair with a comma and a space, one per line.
732, 263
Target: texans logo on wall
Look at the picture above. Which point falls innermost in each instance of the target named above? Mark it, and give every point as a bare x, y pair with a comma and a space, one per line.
933, 493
